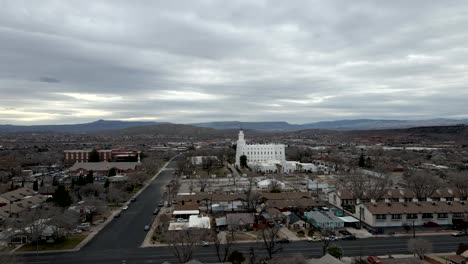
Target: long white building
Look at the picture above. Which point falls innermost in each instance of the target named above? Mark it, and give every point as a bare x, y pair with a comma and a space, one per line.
259, 153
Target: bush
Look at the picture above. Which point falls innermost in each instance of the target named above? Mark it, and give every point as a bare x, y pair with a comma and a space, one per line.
300, 233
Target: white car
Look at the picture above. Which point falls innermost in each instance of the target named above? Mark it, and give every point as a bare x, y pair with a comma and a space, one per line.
125, 207
204, 244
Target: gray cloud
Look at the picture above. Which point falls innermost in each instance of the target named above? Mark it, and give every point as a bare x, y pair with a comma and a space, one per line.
179, 61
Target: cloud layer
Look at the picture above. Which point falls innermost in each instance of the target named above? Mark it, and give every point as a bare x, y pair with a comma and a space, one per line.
194, 61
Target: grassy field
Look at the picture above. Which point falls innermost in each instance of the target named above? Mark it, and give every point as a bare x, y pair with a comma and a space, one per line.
70, 243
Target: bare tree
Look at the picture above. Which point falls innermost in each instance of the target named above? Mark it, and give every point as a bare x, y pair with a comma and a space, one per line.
64, 221
269, 236
325, 240
422, 183
116, 195
152, 165
252, 199
223, 248
138, 178
365, 187
459, 180
183, 243
419, 247
275, 186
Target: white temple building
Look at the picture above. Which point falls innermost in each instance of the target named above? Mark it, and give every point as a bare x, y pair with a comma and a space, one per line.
267, 157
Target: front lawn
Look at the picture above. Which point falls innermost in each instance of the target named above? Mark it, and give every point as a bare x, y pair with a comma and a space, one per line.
70, 243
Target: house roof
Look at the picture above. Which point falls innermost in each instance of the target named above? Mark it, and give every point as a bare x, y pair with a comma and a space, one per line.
241, 218
104, 165
327, 259
18, 194
416, 208
294, 218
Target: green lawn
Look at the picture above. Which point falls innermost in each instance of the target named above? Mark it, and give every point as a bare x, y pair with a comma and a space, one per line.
70, 243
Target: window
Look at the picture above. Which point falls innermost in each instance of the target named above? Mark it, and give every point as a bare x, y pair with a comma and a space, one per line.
396, 216
442, 215
411, 216
408, 200
381, 217
458, 215
394, 200
426, 215
449, 199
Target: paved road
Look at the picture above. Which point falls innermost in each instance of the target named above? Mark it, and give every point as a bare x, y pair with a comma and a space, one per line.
371, 246
127, 231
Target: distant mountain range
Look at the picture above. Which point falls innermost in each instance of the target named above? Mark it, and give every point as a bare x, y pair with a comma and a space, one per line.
354, 124
99, 125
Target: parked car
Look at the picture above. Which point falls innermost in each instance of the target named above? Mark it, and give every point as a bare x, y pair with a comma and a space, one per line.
156, 211
330, 238
349, 237
133, 199
181, 220
83, 226
125, 207
147, 227
430, 224
460, 234
204, 244
160, 204
117, 215
373, 260
283, 241
344, 232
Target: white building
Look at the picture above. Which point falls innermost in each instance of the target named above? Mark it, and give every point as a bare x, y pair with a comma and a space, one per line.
259, 153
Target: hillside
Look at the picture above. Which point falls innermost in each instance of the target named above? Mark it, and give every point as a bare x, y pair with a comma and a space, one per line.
99, 125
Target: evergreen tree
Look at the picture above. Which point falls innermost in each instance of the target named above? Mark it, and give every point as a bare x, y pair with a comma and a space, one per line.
236, 257
12, 186
42, 183
54, 181
243, 161
81, 181
61, 197
90, 177
36, 186
335, 251
73, 182
22, 183
106, 183
112, 172
94, 156
362, 161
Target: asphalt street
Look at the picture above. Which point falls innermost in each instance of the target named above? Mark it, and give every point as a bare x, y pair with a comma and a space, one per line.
121, 238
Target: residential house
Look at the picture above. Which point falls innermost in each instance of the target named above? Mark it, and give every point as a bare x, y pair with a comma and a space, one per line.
240, 221
295, 222
382, 214
324, 220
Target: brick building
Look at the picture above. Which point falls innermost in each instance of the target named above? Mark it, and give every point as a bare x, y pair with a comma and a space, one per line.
82, 155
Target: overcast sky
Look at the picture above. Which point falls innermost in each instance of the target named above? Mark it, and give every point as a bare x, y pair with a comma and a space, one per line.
196, 61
